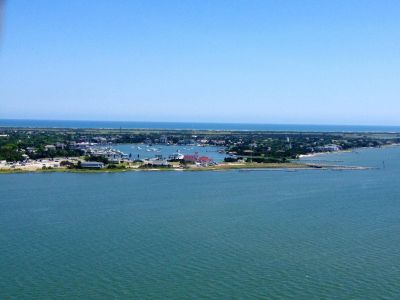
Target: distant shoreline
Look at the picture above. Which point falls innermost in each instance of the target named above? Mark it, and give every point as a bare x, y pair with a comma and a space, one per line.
196, 126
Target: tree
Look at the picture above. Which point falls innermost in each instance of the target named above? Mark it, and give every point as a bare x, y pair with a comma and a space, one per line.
10, 152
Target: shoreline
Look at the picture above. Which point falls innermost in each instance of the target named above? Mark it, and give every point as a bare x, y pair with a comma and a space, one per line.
239, 167
346, 151
326, 152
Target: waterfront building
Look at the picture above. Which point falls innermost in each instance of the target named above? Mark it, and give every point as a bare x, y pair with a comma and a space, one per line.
176, 156
190, 158
158, 162
329, 148
92, 164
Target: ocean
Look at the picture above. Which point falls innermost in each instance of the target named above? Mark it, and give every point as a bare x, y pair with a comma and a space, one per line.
265, 234
194, 126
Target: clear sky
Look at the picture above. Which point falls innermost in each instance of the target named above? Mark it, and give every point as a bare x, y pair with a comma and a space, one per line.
322, 61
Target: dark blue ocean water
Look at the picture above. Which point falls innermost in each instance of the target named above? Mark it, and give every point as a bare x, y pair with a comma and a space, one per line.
311, 234
200, 126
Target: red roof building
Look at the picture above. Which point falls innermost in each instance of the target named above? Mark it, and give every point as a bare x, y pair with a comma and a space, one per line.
197, 159
190, 158
204, 159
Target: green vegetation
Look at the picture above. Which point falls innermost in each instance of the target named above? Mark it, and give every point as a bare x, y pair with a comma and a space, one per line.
10, 152
102, 159
16, 144
116, 166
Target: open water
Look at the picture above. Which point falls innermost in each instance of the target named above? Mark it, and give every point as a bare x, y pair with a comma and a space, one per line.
311, 234
194, 125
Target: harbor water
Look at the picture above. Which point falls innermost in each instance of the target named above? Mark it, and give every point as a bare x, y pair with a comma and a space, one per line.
305, 234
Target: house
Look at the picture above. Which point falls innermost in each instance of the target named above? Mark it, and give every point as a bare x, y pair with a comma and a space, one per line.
176, 156
158, 163
187, 142
190, 158
50, 148
79, 146
92, 164
99, 139
329, 148
204, 160
248, 151
115, 160
60, 146
30, 149
217, 142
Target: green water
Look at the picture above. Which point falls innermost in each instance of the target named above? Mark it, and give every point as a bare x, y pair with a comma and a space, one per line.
204, 235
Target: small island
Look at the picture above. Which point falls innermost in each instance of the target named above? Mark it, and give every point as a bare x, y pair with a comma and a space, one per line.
96, 150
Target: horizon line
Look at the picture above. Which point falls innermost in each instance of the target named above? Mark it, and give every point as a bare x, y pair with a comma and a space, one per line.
201, 122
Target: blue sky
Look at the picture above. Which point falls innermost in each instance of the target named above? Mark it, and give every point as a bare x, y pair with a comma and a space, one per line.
327, 62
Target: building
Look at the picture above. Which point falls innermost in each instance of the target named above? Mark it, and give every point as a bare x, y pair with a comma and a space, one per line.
99, 139
187, 142
60, 146
31, 149
92, 164
196, 159
248, 152
50, 148
204, 160
79, 146
190, 158
115, 160
217, 142
176, 156
330, 148
158, 163
163, 139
